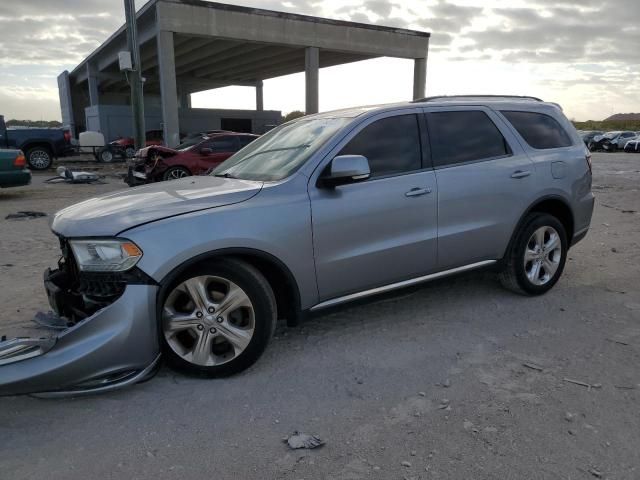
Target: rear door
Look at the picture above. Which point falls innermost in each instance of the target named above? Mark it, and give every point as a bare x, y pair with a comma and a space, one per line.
222, 147
485, 183
382, 230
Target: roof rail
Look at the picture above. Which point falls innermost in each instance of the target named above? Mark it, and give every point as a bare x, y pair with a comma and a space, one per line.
460, 97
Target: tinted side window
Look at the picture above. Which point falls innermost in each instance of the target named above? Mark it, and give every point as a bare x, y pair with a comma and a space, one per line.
539, 130
246, 140
464, 136
225, 144
392, 145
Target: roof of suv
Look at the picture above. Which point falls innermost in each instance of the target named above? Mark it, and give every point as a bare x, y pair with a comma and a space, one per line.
501, 102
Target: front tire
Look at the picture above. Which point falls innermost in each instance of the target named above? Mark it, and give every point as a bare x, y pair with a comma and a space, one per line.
39, 158
537, 256
217, 318
175, 173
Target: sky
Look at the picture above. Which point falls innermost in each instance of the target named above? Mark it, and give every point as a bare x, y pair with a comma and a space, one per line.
583, 54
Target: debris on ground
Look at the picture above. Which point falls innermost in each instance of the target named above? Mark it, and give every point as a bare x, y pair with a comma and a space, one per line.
302, 440
619, 342
406, 464
595, 473
570, 417
68, 176
533, 367
24, 214
51, 320
583, 384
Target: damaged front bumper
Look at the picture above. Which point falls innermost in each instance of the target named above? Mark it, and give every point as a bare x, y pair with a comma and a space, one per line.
114, 345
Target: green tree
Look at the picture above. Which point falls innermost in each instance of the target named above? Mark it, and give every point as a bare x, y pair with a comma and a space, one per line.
293, 115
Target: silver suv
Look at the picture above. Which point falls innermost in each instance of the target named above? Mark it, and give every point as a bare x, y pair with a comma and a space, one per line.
318, 212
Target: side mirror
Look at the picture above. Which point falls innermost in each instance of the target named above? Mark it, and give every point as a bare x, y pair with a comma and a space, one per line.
346, 169
206, 151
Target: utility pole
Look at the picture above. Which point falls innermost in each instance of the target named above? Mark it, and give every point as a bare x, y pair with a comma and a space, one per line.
135, 76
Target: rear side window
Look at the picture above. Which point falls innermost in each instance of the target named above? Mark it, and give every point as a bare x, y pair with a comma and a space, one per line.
392, 145
464, 136
225, 145
539, 130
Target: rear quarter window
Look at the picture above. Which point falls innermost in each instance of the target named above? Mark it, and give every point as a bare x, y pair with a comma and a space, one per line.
539, 130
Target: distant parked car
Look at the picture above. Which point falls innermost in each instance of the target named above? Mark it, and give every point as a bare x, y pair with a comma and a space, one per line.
611, 141
126, 146
193, 157
633, 145
40, 145
587, 135
13, 169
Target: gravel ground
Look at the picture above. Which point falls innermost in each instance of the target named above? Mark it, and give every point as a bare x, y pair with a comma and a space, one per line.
428, 384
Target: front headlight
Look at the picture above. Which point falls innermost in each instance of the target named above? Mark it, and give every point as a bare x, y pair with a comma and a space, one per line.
112, 255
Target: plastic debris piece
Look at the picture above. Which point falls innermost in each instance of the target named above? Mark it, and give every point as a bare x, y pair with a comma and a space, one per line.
302, 440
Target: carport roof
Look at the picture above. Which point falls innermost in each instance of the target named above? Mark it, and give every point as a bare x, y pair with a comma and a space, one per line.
217, 44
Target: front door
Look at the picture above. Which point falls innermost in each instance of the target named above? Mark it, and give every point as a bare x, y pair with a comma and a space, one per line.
382, 230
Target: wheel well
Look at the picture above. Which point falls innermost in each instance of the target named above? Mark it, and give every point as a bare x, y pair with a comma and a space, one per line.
558, 209
279, 277
46, 146
282, 284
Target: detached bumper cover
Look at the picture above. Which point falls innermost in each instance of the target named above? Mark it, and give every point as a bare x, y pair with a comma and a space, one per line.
116, 346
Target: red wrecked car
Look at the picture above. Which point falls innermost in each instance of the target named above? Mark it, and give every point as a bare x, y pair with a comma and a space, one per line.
125, 145
195, 156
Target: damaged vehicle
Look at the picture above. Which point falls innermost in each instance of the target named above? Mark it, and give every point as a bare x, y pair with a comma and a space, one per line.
318, 212
611, 141
195, 156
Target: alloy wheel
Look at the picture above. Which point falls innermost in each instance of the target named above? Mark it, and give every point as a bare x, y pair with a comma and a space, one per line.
208, 320
39, 159
542, 255
177, 174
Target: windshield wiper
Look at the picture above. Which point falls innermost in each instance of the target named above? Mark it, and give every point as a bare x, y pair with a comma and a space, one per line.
224, 175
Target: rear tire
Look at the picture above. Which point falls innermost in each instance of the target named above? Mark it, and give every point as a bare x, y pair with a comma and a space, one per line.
226, 328
39, 158
536, 258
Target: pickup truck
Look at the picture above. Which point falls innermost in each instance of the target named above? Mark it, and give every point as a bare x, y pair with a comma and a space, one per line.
40, 145
13, 169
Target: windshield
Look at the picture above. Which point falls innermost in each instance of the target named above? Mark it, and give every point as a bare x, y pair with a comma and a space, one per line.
279, 153
611, 135
190, 142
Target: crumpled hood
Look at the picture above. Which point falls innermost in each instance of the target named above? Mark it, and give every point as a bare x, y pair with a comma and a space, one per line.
108, 215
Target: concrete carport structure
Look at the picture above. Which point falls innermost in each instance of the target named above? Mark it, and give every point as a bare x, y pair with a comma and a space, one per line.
189, 46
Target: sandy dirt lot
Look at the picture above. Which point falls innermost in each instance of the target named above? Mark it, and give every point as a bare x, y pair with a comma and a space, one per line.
428, 384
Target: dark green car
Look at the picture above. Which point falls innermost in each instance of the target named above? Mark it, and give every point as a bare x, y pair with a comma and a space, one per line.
13, 169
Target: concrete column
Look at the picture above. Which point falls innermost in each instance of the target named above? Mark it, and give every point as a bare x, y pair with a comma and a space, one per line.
168, 88
184, 99
419, 78
259, 95
312, 76
92, 80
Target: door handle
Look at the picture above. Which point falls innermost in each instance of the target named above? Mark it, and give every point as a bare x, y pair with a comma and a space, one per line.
417, 192
521, 174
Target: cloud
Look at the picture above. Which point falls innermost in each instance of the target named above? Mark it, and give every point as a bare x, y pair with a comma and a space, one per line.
41, 38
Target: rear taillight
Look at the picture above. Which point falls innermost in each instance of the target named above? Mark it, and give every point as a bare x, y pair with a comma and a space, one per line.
587, 157
20, 161
67, 136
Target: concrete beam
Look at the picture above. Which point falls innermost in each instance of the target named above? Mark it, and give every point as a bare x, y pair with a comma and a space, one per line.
312, 80
255, 63
168, 88
260, 96
239, 57
253, 25
419, 78
195, 59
